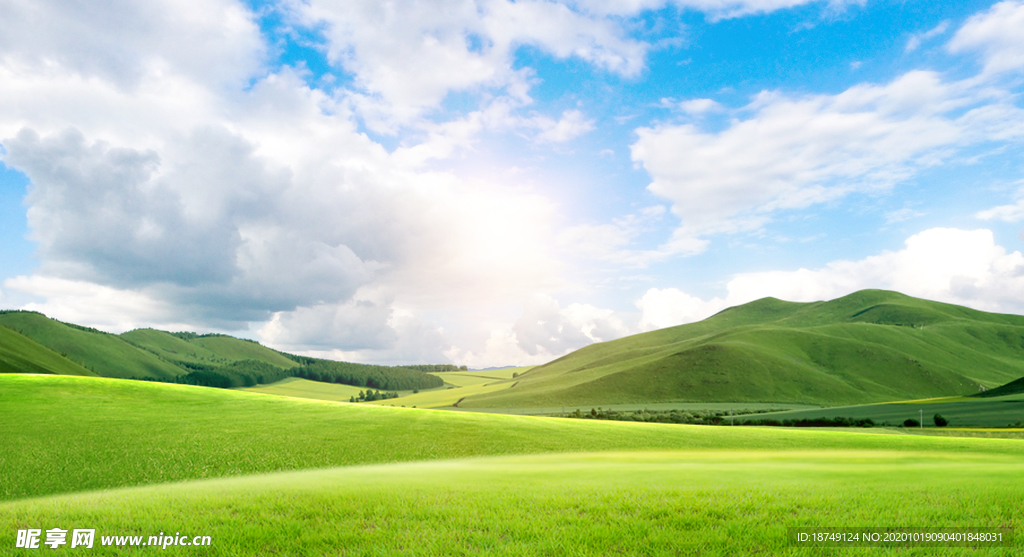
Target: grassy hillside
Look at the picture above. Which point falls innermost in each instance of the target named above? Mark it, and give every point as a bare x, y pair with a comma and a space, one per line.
870, 346
208, 360
86, 433
211, 350
1012, 388
101, 353
20, 354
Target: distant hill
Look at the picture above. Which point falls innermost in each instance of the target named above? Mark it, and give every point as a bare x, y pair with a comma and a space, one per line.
34, 343
869, 346
215, 350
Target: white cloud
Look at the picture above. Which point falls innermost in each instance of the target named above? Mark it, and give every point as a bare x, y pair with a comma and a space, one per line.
670, 306
699, 106
949, 265
86, 303
1006, 213
997, 33
215, 42
791, 152
410, 55
717, 9
547, 328
917, 39
200, 202
571, 125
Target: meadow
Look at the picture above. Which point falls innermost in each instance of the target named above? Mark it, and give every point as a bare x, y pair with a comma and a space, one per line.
286, 476
1004, 411
617, 503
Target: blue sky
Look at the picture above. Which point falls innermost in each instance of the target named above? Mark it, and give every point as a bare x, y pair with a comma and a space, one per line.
489, 182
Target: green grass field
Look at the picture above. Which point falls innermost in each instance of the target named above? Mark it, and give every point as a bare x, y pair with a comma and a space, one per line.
870, 346
304, 388
287, 476
960, 411
615, 503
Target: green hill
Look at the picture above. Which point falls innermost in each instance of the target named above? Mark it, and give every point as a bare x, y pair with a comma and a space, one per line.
102, 353
208, 350
210, 360
869, 346
20, 354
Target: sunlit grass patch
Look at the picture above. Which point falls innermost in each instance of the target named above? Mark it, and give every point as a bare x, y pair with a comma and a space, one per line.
631, 503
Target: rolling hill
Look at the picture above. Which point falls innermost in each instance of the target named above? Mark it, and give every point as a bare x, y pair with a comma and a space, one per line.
869, 346
102, 353
20, 354
189, 348
34, 343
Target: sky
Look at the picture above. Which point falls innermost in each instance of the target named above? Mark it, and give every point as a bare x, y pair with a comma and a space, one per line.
490, 183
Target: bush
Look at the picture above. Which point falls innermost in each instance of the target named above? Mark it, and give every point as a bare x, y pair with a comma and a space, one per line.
911, 423
940, 421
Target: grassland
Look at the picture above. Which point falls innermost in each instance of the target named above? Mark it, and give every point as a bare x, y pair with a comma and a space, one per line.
960, 411
303, 388
82, 433
623, 503
421, 482
870, 346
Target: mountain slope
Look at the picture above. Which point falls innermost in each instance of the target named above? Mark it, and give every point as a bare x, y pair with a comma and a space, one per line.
20, 354
209, 360
869, 346
207, 350
103, 353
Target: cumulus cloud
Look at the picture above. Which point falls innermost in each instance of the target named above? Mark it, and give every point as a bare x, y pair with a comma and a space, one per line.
964, 267
212, 205
547, 328
216, 42
367, 328
998, 34
793, 152
112, 309
670, 306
